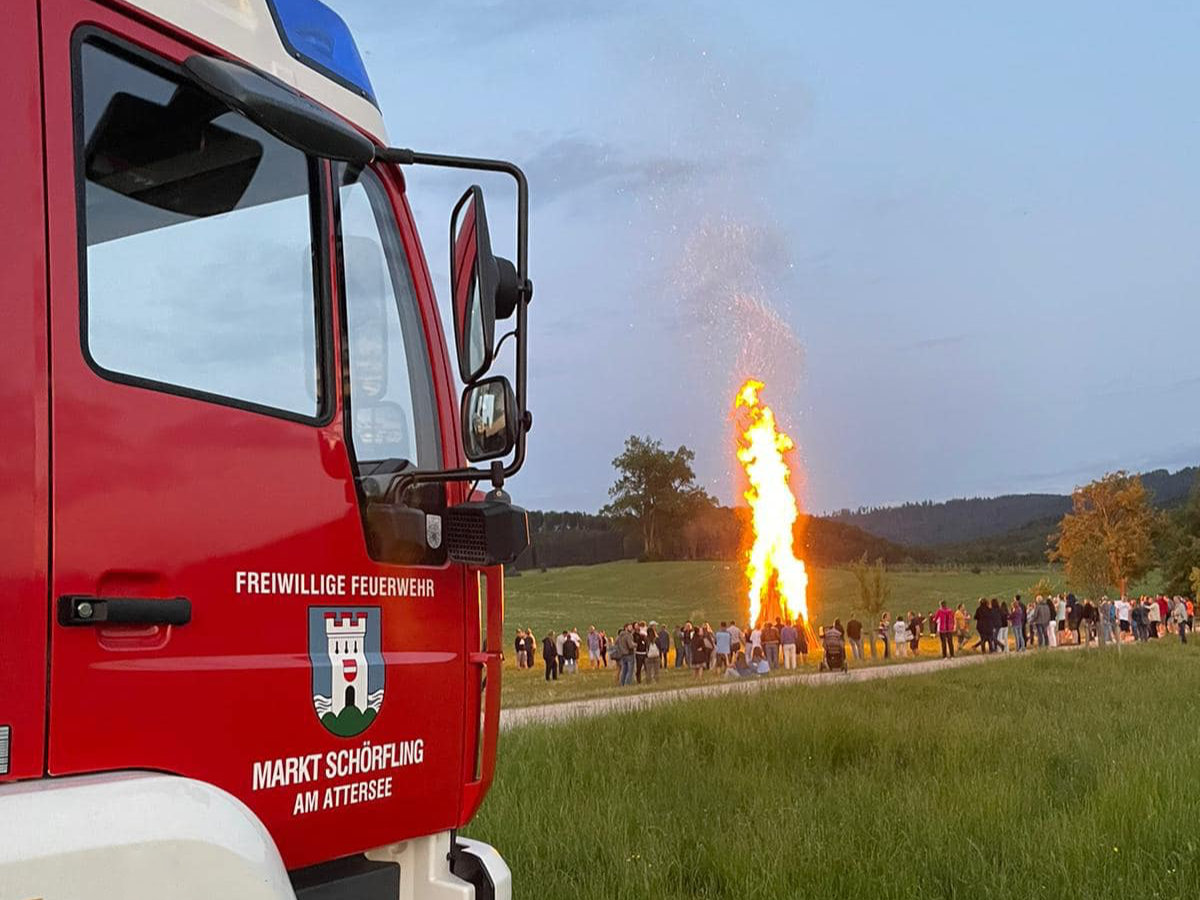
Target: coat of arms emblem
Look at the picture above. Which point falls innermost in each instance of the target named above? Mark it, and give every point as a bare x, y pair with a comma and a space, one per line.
347, 667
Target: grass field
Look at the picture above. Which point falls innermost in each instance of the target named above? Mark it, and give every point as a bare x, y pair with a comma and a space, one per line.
1055, 774
672, 592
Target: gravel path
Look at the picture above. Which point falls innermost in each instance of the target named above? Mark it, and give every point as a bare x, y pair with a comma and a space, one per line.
580, 709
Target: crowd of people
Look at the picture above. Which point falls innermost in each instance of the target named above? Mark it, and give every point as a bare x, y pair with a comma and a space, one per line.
1001, 626
640, 650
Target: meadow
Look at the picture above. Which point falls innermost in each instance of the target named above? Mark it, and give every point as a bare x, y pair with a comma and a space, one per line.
1045, 775
672, 592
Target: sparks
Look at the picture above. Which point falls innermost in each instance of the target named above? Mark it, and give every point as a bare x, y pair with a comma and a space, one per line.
778, 583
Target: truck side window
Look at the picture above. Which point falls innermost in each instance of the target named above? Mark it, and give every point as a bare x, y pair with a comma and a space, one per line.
392, 412
198, 227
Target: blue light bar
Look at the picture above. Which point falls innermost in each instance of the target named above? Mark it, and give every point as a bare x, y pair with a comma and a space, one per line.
317, 36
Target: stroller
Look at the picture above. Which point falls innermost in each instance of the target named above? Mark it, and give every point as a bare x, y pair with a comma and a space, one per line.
834, 646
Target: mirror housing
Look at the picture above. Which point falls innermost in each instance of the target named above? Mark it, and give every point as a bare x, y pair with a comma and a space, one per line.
489, 419
275, 107
488, 532
474, 279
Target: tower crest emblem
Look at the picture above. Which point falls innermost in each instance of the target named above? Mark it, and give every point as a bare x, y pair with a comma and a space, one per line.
347, 667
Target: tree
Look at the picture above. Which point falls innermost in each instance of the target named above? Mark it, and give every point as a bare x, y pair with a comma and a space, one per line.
1106, 538
1043, 587
654, 488
874, 586
1181, 545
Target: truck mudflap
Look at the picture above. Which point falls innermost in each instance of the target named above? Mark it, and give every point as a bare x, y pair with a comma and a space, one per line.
446, 867
480, 864
134, 835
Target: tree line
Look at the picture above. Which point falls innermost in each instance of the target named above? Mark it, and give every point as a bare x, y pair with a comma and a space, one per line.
1111, 535
656, 511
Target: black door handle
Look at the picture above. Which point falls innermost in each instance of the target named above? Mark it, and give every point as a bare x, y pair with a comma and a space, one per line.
81, 609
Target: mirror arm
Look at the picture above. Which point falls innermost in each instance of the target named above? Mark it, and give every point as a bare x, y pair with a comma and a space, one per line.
404, 157
405, 482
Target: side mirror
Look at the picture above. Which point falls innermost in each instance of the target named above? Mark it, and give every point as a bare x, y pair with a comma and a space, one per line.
484, 287
474, 277
489, 419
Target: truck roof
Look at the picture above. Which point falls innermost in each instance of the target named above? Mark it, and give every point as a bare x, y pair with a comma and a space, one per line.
301, 42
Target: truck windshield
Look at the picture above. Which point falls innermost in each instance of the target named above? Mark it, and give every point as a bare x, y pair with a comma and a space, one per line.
393, 419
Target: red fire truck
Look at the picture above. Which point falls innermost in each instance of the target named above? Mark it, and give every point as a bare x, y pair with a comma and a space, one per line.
252, 599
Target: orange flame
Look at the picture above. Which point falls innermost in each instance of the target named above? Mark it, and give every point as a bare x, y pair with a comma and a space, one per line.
778, 581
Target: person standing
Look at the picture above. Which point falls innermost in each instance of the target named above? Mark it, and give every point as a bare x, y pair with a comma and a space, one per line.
884, 630
854, 636
1041, 621
550, 656
1154, 617
1089, 621
702, 645
983, 626
756, 640
680, 656
689, 636
1179, 618
916, 625
943, 620
735, 640
802, 641
664, 644
1016, 619
1000, 622
626, 647
593, 644
787, 640
724, 647
1122, 609
1074, 617
770, 638
641, 644
604, 649
519, 646
900, 635
653, 654
559, 641
961, 627
570, 654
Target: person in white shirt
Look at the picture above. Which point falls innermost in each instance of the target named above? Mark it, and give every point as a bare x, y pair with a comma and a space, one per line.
901, 636
1122, 618
1154, 617
755, 640
559, 641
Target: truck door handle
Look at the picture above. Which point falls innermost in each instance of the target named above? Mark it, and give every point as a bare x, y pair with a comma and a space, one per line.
82, 609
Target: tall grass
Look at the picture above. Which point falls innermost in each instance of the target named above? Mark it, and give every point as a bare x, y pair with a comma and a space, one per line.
1048, 776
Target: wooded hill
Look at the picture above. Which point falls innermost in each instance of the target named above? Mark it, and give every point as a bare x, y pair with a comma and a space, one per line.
1016, 517
1008, 530
574, 539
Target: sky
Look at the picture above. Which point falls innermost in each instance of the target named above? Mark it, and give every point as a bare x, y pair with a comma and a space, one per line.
957, 241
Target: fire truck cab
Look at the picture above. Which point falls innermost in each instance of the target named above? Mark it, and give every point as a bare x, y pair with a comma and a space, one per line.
252, 600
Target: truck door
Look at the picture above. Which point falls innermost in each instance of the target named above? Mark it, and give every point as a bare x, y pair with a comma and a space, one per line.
215, 610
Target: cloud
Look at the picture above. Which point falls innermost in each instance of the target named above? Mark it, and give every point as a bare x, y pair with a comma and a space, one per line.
950, 340
576, 163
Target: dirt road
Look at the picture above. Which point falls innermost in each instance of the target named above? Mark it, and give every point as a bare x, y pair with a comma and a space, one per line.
579, 709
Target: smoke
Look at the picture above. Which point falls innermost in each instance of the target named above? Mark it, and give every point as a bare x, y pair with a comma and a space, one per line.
725, 281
